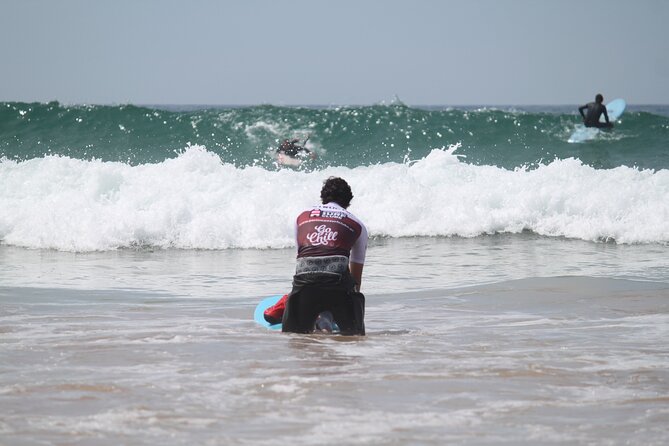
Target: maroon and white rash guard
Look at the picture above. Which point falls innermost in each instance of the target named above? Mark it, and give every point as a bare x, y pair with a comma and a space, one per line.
330, 230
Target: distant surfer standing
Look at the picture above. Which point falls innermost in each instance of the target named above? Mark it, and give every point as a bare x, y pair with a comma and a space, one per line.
331, 249
290, 148
594, 111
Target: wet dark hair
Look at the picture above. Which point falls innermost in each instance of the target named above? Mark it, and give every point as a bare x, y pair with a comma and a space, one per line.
337, 190
599, 98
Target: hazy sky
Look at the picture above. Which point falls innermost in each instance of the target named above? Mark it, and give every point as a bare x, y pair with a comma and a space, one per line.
284, 52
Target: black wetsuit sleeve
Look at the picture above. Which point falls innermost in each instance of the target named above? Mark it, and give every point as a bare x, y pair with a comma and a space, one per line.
580, 110
606, 115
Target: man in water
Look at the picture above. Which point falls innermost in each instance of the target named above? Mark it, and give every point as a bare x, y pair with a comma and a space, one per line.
331, 249
595, 110
291, 148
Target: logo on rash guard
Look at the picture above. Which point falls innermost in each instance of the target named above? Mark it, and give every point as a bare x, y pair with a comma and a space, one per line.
322, 236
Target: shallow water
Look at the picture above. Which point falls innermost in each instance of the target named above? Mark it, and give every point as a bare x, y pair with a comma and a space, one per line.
392, 265
493, 340
565, 360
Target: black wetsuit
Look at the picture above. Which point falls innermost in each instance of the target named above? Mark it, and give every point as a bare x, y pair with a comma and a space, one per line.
291, 149
316, 293
591, 118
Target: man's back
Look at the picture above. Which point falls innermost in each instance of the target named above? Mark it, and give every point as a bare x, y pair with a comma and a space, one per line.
595, 110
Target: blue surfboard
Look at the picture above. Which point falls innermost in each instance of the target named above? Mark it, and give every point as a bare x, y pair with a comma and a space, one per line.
258, 315
614, 109
260, 310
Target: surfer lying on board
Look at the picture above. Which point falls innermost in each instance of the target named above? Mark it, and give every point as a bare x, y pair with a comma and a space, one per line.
290, 148
595, 110
331, 249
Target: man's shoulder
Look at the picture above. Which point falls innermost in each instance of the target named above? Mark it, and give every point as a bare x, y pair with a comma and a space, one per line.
329, 211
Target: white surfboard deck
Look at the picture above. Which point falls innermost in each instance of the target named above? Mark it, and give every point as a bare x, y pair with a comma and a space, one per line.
286, 160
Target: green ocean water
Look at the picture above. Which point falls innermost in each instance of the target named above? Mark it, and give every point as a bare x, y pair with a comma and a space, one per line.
507, 137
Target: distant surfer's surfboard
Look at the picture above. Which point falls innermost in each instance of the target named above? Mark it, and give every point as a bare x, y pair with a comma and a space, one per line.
615, 109
286, 160
260, 310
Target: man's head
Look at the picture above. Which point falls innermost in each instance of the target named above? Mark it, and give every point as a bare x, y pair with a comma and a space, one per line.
599, 99
337, 190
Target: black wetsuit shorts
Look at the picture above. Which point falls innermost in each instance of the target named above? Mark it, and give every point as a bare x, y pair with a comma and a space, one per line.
317, 293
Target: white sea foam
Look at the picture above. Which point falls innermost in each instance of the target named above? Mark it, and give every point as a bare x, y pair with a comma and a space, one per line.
253, 131
196, 201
